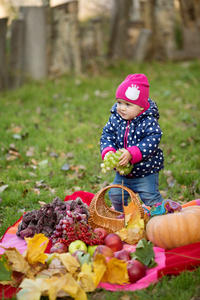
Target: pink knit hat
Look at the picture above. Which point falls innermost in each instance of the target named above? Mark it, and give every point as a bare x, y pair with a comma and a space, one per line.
134, 89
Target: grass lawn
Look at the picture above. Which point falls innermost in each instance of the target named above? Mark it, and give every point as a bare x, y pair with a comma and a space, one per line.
49, 146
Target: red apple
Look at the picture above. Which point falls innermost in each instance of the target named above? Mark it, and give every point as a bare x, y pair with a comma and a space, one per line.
123, 255
59, 248
136, 270
114, 242
104, 250
102, 233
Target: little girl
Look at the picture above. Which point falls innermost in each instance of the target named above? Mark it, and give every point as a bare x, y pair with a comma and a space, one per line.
133, 129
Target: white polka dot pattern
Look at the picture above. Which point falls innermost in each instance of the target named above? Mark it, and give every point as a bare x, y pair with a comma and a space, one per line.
144, 132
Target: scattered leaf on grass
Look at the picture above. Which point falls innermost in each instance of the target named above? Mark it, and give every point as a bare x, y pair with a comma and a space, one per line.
26, 181
53, 154
30, 152
25, 191
34, 161
126, 297
16, 129
32, 174
79, 141
164, 194
42, 203
52, 191
171, 181
70, 155
11, 158
15, 153
3, 187
90, 146
65, 167
17, 136
36, 191
40, 184
43, 163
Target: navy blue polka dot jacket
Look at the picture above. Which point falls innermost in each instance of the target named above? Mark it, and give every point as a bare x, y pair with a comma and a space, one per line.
140, 136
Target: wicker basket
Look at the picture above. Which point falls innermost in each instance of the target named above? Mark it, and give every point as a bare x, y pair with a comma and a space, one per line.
102, 216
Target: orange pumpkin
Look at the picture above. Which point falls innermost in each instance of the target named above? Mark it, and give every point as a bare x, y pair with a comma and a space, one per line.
176, 229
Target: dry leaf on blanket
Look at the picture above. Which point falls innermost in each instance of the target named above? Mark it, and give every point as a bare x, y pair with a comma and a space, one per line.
17, 262
35, 249
32, 289
131, 236
116, 272
86, 278
99, 268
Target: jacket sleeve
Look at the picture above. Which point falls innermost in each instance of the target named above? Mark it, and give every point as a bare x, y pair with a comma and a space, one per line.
151, 139
108, 141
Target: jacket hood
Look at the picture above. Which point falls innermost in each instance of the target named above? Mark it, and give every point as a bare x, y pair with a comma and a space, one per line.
151, 111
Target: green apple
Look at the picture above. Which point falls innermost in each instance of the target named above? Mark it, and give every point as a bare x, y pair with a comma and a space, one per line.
77, 245
91, 249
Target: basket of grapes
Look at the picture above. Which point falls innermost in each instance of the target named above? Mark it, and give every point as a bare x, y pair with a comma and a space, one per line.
102, 216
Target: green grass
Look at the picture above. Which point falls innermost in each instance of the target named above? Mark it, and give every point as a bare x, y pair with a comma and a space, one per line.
65, 116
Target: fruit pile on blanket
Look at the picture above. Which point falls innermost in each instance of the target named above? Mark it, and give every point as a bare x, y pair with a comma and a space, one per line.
79, 256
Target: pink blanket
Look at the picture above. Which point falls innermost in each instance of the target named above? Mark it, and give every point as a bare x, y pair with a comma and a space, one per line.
170, 262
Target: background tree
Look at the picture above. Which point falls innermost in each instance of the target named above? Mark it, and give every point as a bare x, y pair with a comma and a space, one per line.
119, 28
190, 13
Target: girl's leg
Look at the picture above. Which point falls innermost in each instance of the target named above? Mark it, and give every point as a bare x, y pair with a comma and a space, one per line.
147, 188
115, 194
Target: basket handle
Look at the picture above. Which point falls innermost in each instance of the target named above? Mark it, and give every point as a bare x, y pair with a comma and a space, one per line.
133, 196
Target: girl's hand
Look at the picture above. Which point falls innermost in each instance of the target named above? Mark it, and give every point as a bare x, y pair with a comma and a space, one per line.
125, 157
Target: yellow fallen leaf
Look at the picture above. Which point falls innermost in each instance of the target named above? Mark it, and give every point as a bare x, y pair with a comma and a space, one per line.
72, 287
35, 249
56, 265
130, 208
55, 268
135, 223
85, 277
116, 272
132, 215
32, 289
131, 235
56, 284
70, 262
17, 261
99, 268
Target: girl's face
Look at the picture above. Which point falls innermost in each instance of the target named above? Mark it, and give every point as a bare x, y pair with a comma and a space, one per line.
127, 110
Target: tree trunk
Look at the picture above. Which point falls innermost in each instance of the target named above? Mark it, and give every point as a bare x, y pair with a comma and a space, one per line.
65, 39
35, 39
16, 54
163, 21
190, 12
3, 69
119, 29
